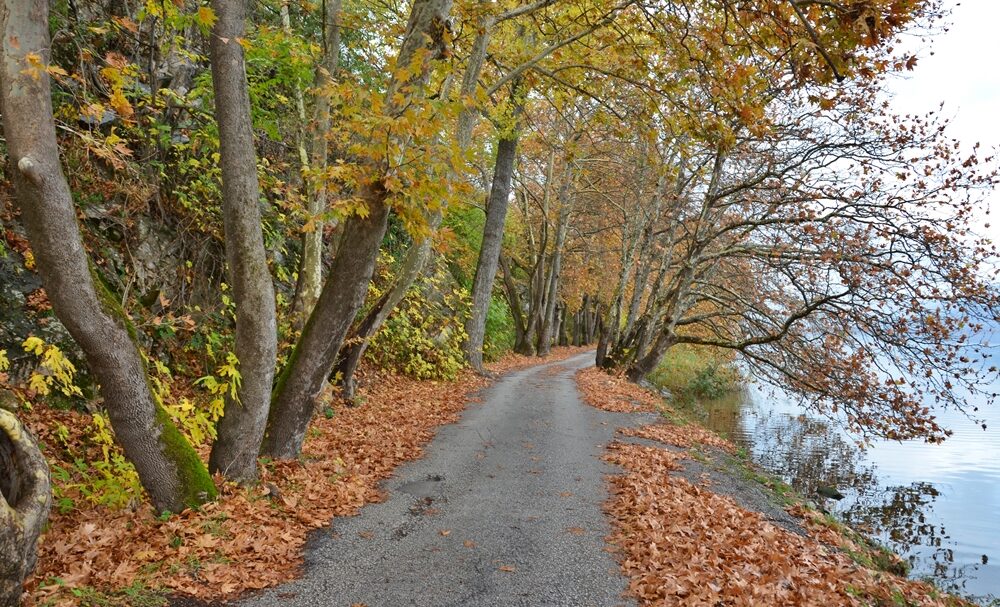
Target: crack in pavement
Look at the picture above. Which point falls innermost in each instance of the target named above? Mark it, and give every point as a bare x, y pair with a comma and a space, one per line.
483, 522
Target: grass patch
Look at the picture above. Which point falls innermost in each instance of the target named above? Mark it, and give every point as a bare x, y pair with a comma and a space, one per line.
696, 372
136, 595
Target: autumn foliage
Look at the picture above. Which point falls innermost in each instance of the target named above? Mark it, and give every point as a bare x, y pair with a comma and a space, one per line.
250, 538
680, 543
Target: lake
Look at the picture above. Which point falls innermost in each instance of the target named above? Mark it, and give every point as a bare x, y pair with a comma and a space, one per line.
936, 505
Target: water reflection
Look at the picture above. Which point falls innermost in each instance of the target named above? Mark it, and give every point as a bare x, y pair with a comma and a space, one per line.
938, 506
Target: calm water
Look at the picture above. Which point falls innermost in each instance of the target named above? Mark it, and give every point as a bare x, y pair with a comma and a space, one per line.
936, 505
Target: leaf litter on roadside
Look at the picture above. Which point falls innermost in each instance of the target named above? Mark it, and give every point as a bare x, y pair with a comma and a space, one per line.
251, 538
681, 544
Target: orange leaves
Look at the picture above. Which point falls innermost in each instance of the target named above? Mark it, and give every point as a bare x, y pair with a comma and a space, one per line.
680, 436
683, 545
251, 538
614, 393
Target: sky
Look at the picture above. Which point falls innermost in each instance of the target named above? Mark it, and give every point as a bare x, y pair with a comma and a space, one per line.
959, 67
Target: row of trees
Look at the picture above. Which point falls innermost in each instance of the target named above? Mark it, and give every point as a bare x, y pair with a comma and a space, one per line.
714, 173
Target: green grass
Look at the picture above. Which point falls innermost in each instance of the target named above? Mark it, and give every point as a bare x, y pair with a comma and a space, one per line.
136, 595
692, 372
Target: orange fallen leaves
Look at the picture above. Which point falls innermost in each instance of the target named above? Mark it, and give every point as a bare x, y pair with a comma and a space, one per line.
681, 544
252, 538
684, 545
680, 436
615, 393
618, 395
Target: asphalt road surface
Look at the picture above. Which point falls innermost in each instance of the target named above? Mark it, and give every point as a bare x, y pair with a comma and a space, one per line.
504, 510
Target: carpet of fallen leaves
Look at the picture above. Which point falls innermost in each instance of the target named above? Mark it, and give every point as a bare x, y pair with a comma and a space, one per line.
252, 538
615, 393
681, 544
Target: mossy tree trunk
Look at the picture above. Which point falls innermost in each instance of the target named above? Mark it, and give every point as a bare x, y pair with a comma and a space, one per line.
241, 428
168, 467
302, 381
25, 499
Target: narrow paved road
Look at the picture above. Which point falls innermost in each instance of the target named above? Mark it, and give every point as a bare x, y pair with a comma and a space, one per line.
504, 510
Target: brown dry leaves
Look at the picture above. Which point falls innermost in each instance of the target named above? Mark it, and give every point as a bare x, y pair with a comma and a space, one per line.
614, 393
685, 436
253, 538
681, 544
684, 545
618, 395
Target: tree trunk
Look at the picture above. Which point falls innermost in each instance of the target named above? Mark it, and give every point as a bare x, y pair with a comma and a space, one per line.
310, 281
489, 253
515, 303
25, 499
645, 365
168, 467
413, 265
563, 326
241, 428
555, 268
418, 252
301, 383
310, 364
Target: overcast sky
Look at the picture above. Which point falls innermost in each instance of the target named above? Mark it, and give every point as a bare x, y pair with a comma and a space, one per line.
963, 72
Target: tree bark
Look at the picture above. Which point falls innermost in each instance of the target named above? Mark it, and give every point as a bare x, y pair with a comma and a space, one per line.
419, 251
310, 281
241, 428
304, 377
413, 265
513, 301
555, 268
25, 499
647, 363
489, 253
312, 360
168, 467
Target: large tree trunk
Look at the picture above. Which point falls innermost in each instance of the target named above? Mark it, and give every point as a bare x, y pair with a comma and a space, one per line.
25, 500
168, 467
419, 251
413, 265
489, 253
310, 281
241, 428
310, 364
647, 363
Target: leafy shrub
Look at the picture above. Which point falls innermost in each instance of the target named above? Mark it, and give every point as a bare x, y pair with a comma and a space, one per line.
696, 372
500, 334
424, 335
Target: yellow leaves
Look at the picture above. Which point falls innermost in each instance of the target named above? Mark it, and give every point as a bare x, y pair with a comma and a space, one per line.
206, 18
35, 65
121, 104
4, 361
33, 345
54, 371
